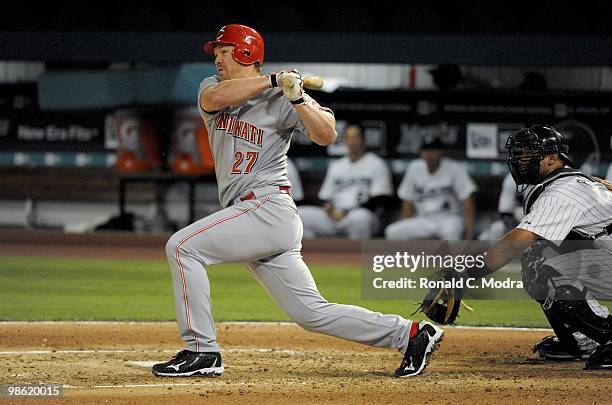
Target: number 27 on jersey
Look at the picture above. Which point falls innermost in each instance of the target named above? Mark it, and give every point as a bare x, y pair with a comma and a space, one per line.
248, 158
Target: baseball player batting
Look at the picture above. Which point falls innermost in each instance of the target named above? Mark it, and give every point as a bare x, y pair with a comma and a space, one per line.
563, 204
250, 119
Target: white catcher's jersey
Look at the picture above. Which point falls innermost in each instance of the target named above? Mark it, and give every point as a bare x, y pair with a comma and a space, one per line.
569, 203
441, 192
249, 142
350, 184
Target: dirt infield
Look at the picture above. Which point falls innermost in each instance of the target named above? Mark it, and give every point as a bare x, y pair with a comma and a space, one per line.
283, 364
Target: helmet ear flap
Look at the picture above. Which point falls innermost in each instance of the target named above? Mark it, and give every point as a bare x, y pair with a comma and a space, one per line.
553, 141
240, 54
245, 54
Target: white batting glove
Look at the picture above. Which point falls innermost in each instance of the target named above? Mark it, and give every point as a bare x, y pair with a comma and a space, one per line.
291, 82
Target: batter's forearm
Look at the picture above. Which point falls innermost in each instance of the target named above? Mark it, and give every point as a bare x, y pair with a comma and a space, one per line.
232, 92
321, 125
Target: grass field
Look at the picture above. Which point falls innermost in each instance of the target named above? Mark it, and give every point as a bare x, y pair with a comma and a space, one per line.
93, 289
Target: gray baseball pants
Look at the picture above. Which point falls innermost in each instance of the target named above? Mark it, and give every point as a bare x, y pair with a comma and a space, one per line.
266, 234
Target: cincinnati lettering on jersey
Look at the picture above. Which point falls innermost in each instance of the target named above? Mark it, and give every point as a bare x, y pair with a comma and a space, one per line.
239, 129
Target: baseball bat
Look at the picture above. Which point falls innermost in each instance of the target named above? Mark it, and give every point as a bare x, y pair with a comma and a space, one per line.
313, 82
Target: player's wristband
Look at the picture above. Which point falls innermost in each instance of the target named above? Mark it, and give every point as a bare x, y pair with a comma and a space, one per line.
298, 101
272, 78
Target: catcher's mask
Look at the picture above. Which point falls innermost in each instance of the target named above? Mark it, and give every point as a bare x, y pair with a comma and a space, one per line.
528, 146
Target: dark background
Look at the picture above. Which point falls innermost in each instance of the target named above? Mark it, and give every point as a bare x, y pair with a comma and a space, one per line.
416, 16
71, 35
475, 32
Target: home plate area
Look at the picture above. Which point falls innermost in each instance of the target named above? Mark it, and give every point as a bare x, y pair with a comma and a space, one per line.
280, 363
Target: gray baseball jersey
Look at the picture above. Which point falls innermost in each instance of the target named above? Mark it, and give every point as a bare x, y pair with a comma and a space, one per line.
249, 144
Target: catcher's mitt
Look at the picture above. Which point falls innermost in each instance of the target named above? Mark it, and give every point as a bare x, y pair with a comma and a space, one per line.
441, 305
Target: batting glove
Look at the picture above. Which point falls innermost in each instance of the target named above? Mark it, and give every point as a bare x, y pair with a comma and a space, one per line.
291, 82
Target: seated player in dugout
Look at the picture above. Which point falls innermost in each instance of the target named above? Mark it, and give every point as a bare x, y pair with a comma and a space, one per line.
355, 190
509, 209
435, 190
566, 249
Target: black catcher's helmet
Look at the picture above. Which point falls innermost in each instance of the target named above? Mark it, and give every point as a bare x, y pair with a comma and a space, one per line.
528, 146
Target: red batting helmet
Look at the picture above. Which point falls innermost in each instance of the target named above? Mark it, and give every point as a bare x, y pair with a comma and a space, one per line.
248, 43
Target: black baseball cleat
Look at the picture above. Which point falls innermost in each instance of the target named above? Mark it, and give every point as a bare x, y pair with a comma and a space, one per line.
187, 363
550, 348
419, 350
601, 358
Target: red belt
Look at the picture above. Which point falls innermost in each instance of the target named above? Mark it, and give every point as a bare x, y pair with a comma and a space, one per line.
251, 195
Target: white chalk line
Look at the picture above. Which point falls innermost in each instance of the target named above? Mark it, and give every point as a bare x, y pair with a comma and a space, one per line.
263, 323
93, 351
160, 385
193, 384
254, 323
211, 382
501, 328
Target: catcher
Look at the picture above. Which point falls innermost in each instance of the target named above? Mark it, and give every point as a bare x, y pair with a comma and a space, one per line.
562, 205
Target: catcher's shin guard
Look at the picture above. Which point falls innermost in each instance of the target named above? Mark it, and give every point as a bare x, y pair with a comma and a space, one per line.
570, 307
565, 336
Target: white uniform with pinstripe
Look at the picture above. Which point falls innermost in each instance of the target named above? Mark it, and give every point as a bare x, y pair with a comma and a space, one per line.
261, 227
583, 206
